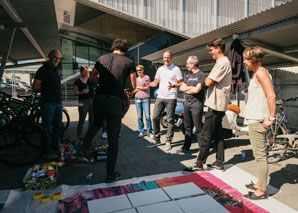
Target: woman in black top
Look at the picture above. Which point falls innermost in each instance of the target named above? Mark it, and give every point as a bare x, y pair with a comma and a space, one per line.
84, 89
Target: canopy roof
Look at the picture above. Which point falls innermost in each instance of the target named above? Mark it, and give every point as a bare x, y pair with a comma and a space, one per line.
275, 30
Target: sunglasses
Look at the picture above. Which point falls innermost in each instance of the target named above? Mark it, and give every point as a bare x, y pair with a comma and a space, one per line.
139, 70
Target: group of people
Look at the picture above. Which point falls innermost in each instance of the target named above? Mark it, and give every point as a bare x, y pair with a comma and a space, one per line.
109, 77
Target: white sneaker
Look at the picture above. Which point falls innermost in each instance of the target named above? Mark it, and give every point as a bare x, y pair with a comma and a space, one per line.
104, 135
140, 135
168, 146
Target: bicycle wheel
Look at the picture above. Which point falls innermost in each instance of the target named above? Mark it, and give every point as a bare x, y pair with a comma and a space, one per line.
65, 119
22, 143
276, 149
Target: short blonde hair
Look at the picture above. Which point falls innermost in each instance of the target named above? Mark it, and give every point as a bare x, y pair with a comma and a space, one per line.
254, 54
140, 66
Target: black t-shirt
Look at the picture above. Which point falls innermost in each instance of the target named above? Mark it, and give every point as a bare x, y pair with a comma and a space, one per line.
50, 83
81, 86
114, 70
192, 80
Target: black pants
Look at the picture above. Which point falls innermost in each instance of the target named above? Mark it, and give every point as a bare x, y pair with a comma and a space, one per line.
86, 106
110, 108
212, 136
192, 118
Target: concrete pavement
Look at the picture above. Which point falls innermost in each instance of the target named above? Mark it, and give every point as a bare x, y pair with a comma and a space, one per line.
137, 158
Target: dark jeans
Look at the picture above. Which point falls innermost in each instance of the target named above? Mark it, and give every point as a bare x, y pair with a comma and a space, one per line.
110, 108
192, 118
212, 135
51, 114
159, 106
85, 106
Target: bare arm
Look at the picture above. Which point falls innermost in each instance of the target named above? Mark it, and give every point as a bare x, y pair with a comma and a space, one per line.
185, 88
36, 85
263, 79
177, 85
94, 76
154, 83
77, 93
76, 90
133, 79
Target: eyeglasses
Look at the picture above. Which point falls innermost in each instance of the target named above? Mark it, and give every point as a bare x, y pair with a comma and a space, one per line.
56, 58
139, 70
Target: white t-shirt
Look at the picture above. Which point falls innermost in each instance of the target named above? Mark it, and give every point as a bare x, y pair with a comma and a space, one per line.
165, 75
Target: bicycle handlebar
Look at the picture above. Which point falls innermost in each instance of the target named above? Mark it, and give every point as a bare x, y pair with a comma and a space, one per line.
291, 99
281, 101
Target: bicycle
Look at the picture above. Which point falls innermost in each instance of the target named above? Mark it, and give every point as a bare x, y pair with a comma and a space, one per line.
35, 111
276, 145
22, 141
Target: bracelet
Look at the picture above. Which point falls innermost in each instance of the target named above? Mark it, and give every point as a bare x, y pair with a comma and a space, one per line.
271, 118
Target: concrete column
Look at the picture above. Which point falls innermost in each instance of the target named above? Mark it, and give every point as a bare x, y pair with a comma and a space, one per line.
6, 51
216, 9
246, 8
182, 14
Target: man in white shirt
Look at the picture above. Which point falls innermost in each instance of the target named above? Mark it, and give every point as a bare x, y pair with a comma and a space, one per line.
170, 79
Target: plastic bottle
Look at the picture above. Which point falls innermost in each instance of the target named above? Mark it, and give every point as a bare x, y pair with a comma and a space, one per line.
242, 155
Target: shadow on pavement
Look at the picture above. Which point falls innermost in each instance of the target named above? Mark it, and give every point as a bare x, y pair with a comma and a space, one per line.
287, 174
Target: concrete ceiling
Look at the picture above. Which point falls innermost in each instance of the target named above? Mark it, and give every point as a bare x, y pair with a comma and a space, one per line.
39, 34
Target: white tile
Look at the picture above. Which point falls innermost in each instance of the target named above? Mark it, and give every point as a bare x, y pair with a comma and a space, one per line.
147, 197
183, 190
164, 207
202, 203
127, 211
105, 205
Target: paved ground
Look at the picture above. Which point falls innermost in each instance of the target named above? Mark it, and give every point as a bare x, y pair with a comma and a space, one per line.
137, 159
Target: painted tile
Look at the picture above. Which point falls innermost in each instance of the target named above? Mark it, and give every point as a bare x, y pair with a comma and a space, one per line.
147, 197
106, 205
183, 190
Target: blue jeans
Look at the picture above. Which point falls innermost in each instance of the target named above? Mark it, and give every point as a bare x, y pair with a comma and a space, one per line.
143, 105
51, 114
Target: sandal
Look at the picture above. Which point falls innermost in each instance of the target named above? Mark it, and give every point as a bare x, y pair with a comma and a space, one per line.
251, 186
253, 196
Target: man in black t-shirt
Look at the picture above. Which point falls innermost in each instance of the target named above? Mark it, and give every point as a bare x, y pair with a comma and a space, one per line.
111, 73
194, 103
47, 82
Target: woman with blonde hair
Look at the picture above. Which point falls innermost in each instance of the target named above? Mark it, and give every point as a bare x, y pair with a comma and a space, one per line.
142, 101
260, 115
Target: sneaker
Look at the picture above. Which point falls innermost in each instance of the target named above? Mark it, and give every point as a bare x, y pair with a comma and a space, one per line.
215, 165
140, 135
192, 169
113, 177
104, 135
155, 142
151, 136
182, 150
168, 146
50, 155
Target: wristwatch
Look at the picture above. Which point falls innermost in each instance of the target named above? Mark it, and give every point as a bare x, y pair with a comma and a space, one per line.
271, 118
